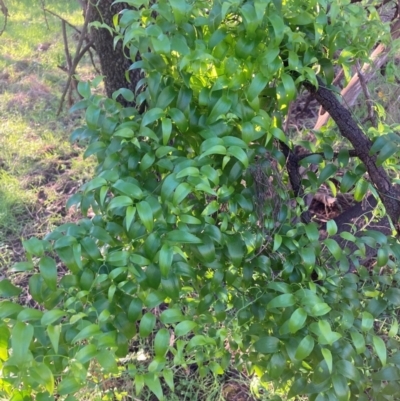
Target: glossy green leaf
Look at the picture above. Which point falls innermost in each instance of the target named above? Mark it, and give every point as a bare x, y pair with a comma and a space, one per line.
326, 353
182, 237
184, 327
341, 387
146, 215
222, 106
21, 337
135, 309
147, 324
161, 342
87, 332
153, 383
380, 348
282, 301
297, 320
52, 316
331, 227
54, 333
367, 321
333, 247
87, 353
48, 271
107, 361
361, 189
267, 345
305, 348
128, 189
8, 290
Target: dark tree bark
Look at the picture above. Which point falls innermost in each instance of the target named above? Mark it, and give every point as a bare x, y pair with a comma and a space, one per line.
114, 63
389, 194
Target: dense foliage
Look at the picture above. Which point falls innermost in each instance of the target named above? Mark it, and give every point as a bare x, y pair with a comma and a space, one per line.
197, 240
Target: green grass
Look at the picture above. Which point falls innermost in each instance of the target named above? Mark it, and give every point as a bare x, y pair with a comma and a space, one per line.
38, 166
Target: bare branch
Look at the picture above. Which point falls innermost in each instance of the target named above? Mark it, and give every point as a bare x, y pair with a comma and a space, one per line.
78, 56
4, 11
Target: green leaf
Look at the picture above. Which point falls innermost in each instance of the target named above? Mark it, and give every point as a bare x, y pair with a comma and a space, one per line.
331, 227
171, 315
326, 353
297, 320
267, 345
165, 259
312, 231
153, 383
146, 215
222, 107
9, 309
169, 378
107, 361
87, 332
166, 125
290, 87
320, 309
87, 353
382, 257
22, 267
135, 309
393, 295
347, 181
277, 242
278, 26
394, 329
152, 115
341, 388
308, 256
182, 237
240, 154
147, 324
43, 375
21, 337
361, 189
69, 385
147, 161
181, 192
326, 172
367, 321
347, 369
305, 348
214, 150
8, 290
380, 349
52, 316
48, 271
54, 333
333, 247
33, 246
128, 189
184, 327
179, 119
161, 342
165, 98
282, 301
257, 85
28, 314
120, 201
387, 151
126, 133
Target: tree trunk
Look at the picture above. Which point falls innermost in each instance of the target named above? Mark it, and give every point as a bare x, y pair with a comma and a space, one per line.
114, 63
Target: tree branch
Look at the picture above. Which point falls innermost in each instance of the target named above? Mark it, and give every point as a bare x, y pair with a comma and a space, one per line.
349, 129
